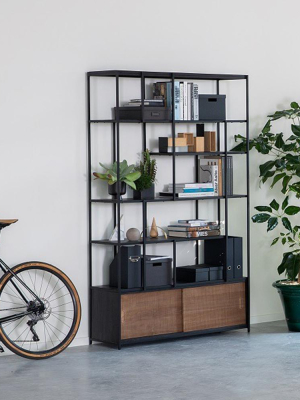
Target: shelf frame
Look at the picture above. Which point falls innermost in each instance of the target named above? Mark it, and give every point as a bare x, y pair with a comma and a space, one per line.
116, 203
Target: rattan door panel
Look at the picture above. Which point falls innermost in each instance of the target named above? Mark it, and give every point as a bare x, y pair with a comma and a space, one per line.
149, 314
215, 306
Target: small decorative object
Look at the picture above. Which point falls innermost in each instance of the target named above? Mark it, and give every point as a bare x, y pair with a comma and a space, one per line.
153, 230
133, 234
128, 175
114, 235
147, 169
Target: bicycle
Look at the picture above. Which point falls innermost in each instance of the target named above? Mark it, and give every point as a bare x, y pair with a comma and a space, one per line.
40, 308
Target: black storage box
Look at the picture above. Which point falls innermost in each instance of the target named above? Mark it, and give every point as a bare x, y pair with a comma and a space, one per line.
150, 113
146, 194
216, 273
212, 107
192, 273
158, 271
215, 251
131, 268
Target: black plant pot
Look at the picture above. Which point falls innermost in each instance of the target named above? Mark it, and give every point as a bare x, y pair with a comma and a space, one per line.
147, 194
112, 189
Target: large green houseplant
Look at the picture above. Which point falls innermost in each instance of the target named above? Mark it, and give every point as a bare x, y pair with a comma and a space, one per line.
282, 168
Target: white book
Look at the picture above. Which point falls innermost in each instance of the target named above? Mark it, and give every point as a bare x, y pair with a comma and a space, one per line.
192, 185
185, 97
199, 194
195, 102
209, 173
189, 101
181, 101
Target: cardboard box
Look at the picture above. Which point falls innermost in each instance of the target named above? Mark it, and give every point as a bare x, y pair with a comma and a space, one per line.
189, 137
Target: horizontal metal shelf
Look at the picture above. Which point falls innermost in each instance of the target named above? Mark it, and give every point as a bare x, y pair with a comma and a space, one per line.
170, 287
160, 239
165, 121
166, 75
163, 199
201, 153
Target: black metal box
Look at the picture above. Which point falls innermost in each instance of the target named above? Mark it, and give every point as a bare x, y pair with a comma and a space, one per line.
150, 113
131, 268
212, 107
158, 271
192, 273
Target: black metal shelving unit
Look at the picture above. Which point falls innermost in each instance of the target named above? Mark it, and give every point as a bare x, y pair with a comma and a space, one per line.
116, 203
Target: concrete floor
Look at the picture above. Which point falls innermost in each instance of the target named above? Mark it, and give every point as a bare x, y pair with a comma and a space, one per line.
264, 364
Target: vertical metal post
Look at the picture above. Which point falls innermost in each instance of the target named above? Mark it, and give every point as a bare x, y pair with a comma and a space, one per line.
143, 111
248, 205
144, 244
173, 171
114, 159
226, 201
118, 202
90, 282
196, 209
218, 149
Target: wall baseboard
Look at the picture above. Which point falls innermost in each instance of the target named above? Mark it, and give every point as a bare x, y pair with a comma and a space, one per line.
258, 319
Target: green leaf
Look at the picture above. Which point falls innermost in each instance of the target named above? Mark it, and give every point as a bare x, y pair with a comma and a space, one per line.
279, 141
101, 176
133, 176
267, 127
263, 208
272, 223
274, 241
281, 267
103, 166
261, 217
266, 167
286, 223
292, 210
285, 203
277, 178
274, 205
296, 129
283, 240
285, 182
130, 183
294, 105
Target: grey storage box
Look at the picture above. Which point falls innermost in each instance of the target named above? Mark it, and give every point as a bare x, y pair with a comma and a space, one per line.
192, 273
216, 273
150, 113
212, 107
131, 268
158, 271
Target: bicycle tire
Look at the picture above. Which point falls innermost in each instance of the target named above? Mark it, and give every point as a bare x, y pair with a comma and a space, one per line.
52, 270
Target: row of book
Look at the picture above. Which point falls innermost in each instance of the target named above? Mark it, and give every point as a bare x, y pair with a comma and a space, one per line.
186, 99
147, 103
191, 228
212, 170
190, 190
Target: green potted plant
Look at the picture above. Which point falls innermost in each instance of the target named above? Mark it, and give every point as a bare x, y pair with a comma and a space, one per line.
128, 175
282, 168
145, 183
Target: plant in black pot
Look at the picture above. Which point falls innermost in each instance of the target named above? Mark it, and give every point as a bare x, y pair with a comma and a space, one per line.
127, 176
145, 183
282, 168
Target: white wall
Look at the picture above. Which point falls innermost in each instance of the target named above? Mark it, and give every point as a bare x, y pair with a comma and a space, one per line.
46, 48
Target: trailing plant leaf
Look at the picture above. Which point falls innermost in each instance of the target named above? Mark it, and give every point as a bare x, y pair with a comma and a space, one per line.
286, 223
285, 183
277, 178
294, 105
279, 141
296, 130
285, 203
261, 217
274, 241
292, 210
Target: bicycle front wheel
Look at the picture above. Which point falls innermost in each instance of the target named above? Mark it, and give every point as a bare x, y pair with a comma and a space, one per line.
43, 332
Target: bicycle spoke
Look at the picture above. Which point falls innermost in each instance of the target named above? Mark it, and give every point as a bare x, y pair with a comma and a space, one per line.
62, 305
61, 321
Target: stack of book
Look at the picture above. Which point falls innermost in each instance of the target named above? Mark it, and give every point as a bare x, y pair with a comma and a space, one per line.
186, 101
212, 170
147, 103
190, 190
191, 228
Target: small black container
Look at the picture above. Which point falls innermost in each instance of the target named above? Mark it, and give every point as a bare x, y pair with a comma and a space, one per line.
112, 189
212, 107
150, 113
158, 271
146, 194
131, 268
192, 273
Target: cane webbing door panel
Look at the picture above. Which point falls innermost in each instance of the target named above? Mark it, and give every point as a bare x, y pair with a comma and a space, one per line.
215, 306
149, 314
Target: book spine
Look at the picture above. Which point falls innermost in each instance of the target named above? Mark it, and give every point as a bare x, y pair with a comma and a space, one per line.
196, 102
185, 97
177, 100
192, 186
200, 194
192, 101
198, 190
181, 100
189, 101
215, 179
